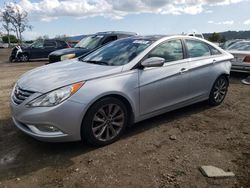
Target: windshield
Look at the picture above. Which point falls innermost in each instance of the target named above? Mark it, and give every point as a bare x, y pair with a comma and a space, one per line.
240, 46
89, 42
118, 52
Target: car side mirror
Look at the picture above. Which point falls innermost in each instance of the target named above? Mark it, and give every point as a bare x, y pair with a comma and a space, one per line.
153, 62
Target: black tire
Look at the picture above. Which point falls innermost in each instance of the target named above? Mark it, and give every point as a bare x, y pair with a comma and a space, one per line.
23, 57
89, 129
11, 59
218, 91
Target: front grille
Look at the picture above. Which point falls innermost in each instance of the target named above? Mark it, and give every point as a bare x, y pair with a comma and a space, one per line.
20, 95
54, 58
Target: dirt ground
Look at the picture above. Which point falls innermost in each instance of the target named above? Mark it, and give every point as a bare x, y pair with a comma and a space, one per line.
148, 155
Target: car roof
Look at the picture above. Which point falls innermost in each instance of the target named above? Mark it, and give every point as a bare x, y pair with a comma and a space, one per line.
149, 37
158, 37
116, 33
244, 41
61, 40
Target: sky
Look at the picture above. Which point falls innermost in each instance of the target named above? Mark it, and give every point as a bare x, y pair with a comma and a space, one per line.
77, 17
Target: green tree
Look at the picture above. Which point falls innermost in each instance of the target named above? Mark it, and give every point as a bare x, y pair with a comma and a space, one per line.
215, 37
222, 39
6, 21
12, 38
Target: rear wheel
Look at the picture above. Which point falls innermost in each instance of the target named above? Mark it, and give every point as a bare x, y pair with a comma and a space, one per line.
23, 57
104, 122
219, 91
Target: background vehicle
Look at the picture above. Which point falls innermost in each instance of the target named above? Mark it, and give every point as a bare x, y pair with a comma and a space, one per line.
95, 97
37, 50
229, 43
246, 81
241, 53
199, 35
3, 45
87, 44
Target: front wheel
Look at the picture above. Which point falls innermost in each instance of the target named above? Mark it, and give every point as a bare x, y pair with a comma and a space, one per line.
11, 59
23, 57
219, 91
104, 122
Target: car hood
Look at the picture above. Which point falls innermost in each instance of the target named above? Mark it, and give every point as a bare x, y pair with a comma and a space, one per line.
77, 51
49, 77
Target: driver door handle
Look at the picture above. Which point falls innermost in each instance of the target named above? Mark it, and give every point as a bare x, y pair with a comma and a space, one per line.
183, 70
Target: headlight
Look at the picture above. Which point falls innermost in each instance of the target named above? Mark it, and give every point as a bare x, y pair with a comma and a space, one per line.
67, 56
55, 97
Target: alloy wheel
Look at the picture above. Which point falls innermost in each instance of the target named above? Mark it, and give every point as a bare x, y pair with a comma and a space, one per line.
220, 90
108, 121
23, 57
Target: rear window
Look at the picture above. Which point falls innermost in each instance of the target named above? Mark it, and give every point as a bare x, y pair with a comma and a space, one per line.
90, 42
240, 46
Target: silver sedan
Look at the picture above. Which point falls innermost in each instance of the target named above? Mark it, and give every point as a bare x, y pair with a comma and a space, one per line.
241, 53
95, 97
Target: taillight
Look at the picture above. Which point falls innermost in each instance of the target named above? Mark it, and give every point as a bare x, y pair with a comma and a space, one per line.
247, 59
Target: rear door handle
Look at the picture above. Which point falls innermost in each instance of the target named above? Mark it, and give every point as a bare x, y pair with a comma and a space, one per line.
183, 70
214, 61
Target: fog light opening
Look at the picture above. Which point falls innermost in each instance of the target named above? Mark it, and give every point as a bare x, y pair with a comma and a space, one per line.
45, 130
48, 128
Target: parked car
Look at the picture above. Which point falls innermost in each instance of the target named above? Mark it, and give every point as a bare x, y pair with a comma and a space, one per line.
241, 53
126, 81
229, 43
2, 44
199, 35
37, 50
246, 80
88, 44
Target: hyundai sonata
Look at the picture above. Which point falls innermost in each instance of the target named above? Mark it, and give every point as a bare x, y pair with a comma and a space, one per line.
129, 80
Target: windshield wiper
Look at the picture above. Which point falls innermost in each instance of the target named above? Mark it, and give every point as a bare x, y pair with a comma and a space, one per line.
98, 62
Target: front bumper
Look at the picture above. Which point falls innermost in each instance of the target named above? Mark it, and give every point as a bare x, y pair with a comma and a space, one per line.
65, 117
240, 67
54, 58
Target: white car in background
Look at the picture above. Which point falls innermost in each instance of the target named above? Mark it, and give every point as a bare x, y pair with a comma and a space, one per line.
3, 45
199, 35
241, 53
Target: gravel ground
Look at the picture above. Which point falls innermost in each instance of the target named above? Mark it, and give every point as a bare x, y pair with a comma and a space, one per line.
165, 151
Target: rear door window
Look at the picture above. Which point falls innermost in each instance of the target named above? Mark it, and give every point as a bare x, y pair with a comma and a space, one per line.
61, 44
49, 44
197, 48
170, 51
214, 51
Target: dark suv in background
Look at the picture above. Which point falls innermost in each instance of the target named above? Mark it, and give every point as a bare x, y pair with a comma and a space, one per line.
88, 44
38, 50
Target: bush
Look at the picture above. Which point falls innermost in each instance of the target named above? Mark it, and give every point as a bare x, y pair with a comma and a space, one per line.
13, 39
